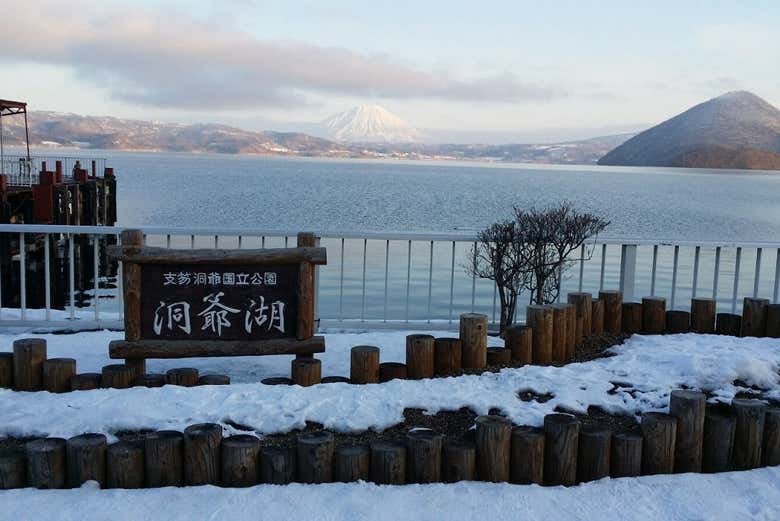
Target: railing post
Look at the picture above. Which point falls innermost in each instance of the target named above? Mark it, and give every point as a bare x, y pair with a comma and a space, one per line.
628, 271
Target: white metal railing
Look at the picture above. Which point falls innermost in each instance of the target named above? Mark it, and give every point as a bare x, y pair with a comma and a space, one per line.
22, 172
401, 279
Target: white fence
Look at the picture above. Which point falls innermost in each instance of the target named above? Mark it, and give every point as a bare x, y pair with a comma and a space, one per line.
405, 280
22, 172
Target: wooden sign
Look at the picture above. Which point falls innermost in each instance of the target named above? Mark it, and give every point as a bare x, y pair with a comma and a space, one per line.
188, 303
217, 302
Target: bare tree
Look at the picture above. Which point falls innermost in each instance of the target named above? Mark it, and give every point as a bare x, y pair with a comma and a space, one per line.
531, 252
496, 257
549, 237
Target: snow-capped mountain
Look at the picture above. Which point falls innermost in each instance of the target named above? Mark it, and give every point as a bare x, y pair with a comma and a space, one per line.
370, 123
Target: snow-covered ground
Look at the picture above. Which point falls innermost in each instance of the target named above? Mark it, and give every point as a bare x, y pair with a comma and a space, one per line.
640, 377
752, 495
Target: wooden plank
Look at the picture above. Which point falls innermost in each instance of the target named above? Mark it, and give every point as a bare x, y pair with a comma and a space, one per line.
305, 326
131, 282
155, 255
205, 348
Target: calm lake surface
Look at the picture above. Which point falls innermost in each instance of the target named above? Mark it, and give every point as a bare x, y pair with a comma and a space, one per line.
301, 194
283, 194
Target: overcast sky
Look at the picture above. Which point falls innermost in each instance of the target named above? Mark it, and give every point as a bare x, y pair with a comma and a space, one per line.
514, 69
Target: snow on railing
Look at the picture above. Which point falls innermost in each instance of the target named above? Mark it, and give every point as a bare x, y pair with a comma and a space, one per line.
376, 279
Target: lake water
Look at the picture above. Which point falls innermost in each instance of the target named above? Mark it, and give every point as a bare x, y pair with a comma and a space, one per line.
307, 194
290, 194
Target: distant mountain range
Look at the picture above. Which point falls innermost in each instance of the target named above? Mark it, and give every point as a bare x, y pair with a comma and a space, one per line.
735, 130
364, 133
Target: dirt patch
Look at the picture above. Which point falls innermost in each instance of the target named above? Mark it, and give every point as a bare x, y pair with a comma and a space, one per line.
595, 346
597, 417
528, 395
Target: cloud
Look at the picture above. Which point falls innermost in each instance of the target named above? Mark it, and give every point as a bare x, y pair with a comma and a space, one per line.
156, 58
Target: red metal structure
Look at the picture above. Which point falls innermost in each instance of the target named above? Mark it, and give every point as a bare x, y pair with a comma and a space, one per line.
13, 108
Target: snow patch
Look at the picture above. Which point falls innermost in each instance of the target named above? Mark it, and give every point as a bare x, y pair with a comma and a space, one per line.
648, 368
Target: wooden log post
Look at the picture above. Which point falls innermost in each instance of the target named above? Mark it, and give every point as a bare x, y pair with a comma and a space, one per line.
202, 454
6, 370
583, 304
597, 317
773, 320
364, 365
57, 373
560, 337
770, 452
46, 466
626, 460
151, 380
138, 365
183, 376
458, 461
653, 315
131, 284
392, 371
703, 315
277, 465
164, 459
13, 469
277, 380
748, 433
754, 311
388, 463
240, 461
678, 321
420, 356
719, 428
613, 311
519, 341
117, 376
659, 432
632, 318
493, 441
125, 465
306, 371
688, 407
571, 330
315, 457
561, 441
86, 459
335, 380
473, 338
728, 324
423, 456
526, 461
498, 356
351, 463
540, 318
594, 453
86, 381
447, 356
212, 379
29, 355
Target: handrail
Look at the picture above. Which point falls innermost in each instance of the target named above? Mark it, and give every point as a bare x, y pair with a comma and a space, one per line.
331, 234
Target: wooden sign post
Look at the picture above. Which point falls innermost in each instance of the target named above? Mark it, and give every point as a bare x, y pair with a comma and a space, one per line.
194, 303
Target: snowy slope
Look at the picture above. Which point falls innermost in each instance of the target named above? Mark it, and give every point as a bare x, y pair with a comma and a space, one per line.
369, 124
751, 495
639, 378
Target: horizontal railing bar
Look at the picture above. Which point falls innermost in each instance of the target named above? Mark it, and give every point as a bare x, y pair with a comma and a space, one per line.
392, 236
